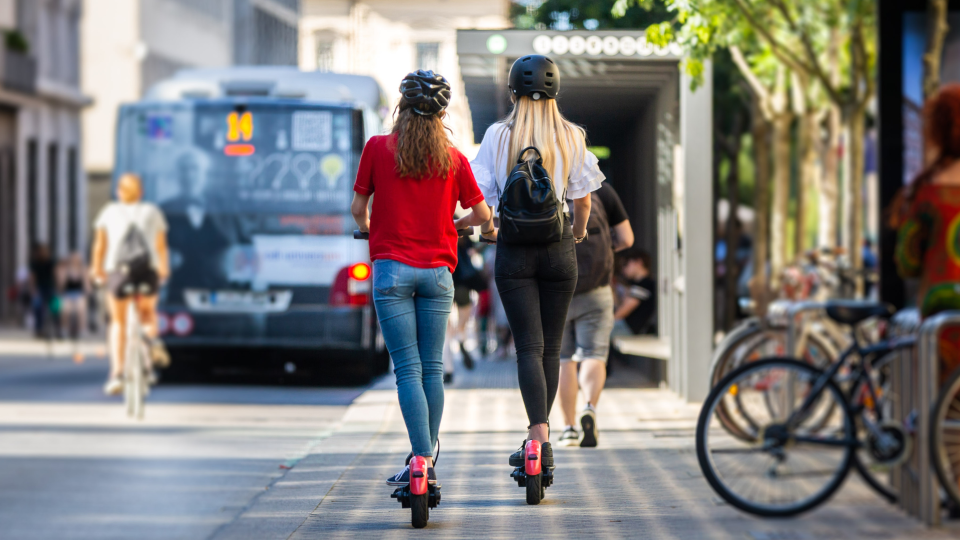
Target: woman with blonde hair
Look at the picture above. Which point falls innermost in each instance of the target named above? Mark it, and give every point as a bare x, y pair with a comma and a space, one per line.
535, 278
417, 178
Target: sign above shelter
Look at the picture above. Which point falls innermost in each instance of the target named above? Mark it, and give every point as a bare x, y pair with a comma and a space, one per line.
614, 44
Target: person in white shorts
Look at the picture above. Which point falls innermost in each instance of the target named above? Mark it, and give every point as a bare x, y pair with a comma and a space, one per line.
130, 256
586, 336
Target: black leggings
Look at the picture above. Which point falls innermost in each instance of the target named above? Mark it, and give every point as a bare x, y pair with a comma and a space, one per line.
536, 284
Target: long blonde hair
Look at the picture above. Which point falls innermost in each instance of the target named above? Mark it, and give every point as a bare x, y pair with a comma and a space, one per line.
539, 123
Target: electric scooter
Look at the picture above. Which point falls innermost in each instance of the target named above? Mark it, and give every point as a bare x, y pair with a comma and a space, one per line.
418, 495
532, 474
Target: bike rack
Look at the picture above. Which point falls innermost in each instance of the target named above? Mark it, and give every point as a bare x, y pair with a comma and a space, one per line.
916, 386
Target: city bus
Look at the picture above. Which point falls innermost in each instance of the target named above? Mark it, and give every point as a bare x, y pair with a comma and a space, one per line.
253, 168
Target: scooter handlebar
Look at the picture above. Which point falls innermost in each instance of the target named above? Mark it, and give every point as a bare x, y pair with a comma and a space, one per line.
358, 235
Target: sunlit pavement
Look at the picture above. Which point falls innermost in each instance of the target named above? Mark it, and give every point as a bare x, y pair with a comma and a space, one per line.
72, 465
210, 462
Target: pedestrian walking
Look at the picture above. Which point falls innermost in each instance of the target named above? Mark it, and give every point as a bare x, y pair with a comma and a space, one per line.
536, 266
74, 286
467, 278
414, 250
586, 335
43, 290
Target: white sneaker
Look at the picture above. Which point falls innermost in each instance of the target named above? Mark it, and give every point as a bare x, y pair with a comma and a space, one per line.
113, 386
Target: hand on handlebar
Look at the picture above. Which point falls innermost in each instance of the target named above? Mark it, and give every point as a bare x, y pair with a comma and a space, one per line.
490, 238
98, 275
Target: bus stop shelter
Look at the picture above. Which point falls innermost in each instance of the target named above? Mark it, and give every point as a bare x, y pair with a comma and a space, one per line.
633, 100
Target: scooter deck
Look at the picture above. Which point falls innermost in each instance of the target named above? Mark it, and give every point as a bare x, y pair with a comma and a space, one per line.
402, 494
520, 476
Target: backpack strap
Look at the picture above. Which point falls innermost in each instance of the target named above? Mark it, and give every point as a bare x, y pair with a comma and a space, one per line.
534, 148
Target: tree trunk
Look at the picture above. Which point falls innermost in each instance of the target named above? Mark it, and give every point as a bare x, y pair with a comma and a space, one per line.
781, 197
827, 231
759, 285
809, 172
937, 30
733, 225
856, 224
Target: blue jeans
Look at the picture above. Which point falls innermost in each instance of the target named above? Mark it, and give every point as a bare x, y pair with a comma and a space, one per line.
413, 305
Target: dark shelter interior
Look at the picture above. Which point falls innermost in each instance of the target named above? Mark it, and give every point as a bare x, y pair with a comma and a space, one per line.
628, 106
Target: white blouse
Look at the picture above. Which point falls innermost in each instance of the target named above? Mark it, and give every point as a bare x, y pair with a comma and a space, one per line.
585, 175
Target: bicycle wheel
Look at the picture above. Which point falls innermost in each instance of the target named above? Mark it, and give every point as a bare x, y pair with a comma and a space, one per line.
765, 344
945, 437
749, 346
139, 382
789, 467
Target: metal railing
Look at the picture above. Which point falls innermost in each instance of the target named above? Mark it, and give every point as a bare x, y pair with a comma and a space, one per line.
916, 385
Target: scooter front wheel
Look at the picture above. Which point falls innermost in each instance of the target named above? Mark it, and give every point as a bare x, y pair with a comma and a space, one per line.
534, 488
420, 504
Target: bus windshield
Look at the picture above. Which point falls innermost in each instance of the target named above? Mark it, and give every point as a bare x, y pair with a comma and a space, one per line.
257, 195
253, 158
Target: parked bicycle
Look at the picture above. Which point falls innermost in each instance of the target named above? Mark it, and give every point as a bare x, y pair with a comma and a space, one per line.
807, 426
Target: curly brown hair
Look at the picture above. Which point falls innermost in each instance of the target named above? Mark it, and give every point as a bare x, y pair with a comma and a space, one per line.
941, 121
423, 148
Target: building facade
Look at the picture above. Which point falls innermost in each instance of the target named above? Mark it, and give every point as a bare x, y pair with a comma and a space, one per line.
42, 181
128, 45
386, 39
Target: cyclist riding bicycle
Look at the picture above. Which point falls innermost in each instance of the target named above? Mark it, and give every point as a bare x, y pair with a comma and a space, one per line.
130, 257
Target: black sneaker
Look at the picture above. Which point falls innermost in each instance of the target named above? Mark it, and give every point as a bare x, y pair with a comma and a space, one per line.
588, 426
431, 476
569, 437
402, 478
546, 455
467, 359
516, 458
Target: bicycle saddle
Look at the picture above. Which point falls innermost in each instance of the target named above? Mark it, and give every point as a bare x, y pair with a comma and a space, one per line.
852, 312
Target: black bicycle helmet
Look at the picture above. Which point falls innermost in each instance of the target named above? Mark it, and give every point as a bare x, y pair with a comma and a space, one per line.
535, 76
427, 92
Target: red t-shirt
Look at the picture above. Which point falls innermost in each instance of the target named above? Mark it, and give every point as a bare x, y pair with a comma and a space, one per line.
412, 218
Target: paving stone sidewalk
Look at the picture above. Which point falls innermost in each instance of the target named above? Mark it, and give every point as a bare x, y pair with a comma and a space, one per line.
643, 480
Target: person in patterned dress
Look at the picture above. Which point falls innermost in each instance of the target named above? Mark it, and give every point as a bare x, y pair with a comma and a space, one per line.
927, 216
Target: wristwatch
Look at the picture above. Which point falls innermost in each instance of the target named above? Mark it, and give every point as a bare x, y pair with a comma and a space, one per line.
582, 238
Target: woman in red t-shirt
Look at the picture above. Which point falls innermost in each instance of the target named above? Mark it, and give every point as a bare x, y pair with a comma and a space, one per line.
418, 178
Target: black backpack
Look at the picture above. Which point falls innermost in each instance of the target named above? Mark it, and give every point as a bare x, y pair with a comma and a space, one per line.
133, 256
595, 254
530, 211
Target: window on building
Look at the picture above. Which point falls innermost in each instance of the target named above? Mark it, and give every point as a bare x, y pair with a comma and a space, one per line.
324, 53
428, 56
53, 197
73, 201
276, 41
33, 198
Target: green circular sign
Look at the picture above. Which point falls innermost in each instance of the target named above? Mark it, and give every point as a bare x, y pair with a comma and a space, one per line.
496, 44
